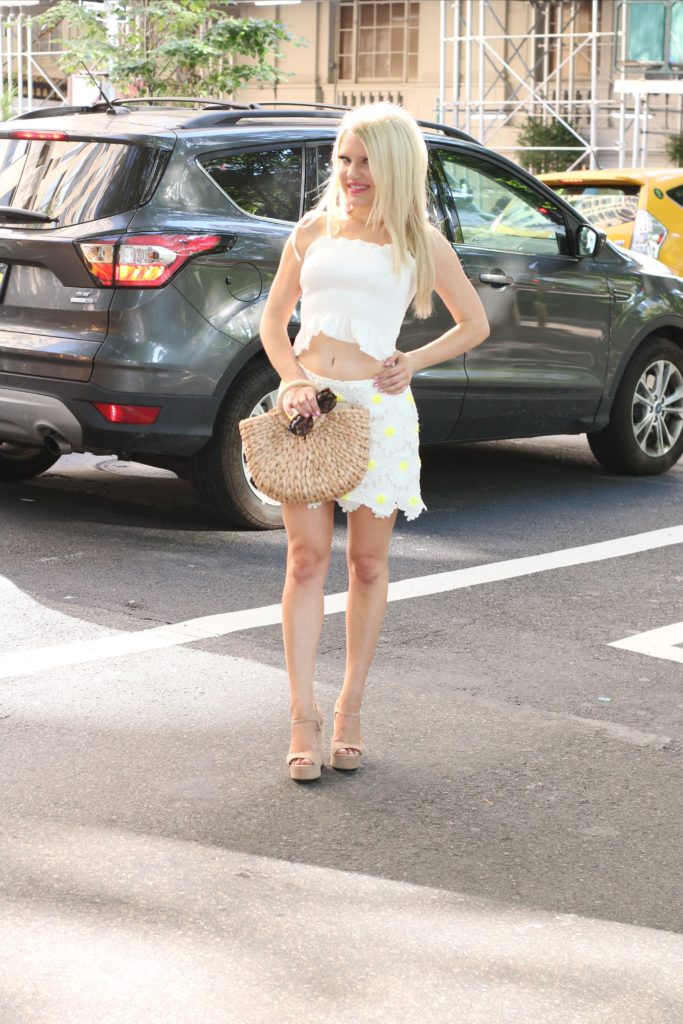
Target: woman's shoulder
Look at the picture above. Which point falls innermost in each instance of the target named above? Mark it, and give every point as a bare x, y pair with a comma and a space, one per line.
441, 247
435, 236
310, 227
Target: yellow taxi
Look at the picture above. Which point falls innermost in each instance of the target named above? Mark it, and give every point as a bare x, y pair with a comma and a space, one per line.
636, 208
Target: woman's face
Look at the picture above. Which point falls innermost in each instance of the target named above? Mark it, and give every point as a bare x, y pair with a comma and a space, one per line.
354, 173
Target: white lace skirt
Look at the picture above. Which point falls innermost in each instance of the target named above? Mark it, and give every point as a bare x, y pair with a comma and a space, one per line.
393, 477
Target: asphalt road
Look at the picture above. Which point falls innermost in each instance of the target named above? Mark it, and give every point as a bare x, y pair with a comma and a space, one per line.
510, 850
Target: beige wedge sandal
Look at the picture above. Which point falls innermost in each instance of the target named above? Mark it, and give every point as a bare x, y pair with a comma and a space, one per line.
346, 762
306, 772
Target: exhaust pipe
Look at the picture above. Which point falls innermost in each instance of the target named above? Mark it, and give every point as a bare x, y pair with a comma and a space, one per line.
57, 445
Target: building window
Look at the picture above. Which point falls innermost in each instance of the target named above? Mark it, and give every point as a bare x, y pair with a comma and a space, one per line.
378, 41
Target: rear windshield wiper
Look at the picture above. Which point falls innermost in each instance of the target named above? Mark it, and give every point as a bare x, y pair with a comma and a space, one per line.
17, 213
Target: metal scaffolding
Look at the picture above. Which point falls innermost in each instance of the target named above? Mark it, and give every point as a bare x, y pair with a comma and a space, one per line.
561, 60
22, 68
496, 74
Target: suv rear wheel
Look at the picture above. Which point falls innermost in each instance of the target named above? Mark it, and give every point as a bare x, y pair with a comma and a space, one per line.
644, 435
219, 471
19, 463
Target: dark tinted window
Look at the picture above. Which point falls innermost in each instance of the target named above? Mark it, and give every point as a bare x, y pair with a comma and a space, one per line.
676, 194
75, 181
438, 197
318, 170
266, 183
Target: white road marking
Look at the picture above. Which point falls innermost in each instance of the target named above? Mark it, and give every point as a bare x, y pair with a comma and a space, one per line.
657, 643
25, 662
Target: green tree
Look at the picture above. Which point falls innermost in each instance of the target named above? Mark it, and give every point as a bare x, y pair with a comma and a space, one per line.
674, 149
6, 100
168, 47
535, 133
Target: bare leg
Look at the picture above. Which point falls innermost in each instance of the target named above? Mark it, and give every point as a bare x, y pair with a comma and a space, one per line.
309, 543
367, 554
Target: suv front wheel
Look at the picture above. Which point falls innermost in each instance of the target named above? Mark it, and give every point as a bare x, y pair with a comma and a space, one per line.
644, 435
220, 472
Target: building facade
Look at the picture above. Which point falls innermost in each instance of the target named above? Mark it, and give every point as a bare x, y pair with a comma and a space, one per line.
608, 69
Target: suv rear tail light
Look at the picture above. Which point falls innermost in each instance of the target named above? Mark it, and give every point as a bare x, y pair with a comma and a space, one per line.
142, 261
141, 414
648, 234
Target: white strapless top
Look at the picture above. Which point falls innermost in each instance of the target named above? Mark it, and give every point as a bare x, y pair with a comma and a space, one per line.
349, 291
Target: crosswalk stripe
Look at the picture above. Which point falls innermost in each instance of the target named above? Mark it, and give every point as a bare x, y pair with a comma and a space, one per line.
29, 661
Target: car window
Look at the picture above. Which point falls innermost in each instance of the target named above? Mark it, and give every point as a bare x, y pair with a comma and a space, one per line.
263, 183
676, 194
438, 199
76, 181
496, 210
318, 170
605, 206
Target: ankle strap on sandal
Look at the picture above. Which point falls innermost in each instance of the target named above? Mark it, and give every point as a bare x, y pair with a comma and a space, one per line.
316, 717
346, 714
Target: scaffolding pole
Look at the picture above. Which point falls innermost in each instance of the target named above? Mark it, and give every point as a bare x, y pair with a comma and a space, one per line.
540, 59
19, 67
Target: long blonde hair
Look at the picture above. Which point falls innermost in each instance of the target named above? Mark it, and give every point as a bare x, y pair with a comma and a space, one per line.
397, 157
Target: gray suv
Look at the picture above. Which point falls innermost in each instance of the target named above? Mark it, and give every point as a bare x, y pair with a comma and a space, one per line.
137, 244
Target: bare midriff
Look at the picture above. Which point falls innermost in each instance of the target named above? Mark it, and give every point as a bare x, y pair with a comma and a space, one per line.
338, 360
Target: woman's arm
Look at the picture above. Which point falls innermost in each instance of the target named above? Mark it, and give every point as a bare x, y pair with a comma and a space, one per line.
282, 298
462, 302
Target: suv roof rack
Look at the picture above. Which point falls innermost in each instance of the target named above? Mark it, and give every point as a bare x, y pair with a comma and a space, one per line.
223, 112
217, 118
295, 104
59, 111
171, 101
122, 106
450, 131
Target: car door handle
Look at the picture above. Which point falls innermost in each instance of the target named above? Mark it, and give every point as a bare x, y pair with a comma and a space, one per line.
497, 277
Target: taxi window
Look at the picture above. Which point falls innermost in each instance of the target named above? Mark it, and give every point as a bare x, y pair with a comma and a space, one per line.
605, 206
676, 194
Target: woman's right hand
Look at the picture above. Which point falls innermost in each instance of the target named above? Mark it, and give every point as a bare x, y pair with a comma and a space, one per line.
301, 402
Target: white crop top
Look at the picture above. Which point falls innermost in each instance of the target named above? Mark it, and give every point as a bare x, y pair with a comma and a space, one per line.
350, 292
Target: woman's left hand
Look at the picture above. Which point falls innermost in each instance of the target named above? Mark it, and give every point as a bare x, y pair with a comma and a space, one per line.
396, 375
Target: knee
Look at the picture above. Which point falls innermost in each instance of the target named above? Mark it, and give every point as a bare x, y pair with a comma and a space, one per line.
306, 564
366, 568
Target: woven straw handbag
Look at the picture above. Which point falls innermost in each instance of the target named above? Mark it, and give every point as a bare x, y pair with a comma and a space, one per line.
326, 464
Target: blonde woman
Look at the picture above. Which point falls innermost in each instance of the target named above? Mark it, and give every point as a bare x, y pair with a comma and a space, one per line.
357, 261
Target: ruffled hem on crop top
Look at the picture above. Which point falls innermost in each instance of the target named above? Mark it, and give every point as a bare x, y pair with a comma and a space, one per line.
351, 292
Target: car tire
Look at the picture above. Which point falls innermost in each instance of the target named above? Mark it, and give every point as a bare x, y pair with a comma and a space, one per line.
19, 463
644, 435
219, 471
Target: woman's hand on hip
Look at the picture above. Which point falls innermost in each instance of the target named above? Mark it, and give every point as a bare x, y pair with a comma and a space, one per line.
396, 375
301, 402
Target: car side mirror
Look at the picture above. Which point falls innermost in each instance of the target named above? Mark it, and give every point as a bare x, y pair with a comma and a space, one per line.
589, 241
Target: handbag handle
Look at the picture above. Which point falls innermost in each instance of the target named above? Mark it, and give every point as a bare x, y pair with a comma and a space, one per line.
301, 383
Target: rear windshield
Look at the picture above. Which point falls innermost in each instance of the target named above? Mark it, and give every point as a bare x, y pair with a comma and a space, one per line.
606, 206
76, 181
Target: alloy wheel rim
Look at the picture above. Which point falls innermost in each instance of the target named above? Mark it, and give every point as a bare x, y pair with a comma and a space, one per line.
263, 405
657, 409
